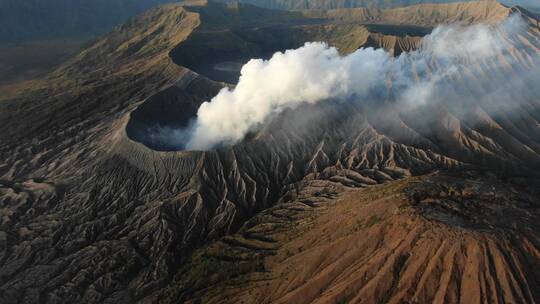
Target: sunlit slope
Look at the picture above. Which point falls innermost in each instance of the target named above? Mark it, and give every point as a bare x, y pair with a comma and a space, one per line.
417, 240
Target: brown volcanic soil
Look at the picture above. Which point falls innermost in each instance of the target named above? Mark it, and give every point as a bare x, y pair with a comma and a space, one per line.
89, 215
432, 239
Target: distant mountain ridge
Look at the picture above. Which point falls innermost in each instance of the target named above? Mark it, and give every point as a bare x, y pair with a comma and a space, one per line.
334, 4
57, 19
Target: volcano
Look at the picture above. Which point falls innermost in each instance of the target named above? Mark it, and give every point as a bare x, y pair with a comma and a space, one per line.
323, 203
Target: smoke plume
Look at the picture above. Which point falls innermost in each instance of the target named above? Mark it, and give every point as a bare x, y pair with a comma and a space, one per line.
316, 72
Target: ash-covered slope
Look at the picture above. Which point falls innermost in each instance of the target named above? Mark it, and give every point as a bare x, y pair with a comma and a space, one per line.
89, 214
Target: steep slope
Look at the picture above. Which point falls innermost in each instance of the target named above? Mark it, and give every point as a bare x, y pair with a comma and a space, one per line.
419, 240
65, 132
91, 215
136, 51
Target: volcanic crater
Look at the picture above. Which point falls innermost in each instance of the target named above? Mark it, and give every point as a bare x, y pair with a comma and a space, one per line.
377, 206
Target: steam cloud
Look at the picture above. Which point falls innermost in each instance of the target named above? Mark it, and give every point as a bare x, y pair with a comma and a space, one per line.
316, 72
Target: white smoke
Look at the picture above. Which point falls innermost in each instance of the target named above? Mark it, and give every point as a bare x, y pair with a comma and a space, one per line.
309, 74
469, 42
316, 72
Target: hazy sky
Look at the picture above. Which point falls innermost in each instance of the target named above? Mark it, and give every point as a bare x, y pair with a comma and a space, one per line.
534, 3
